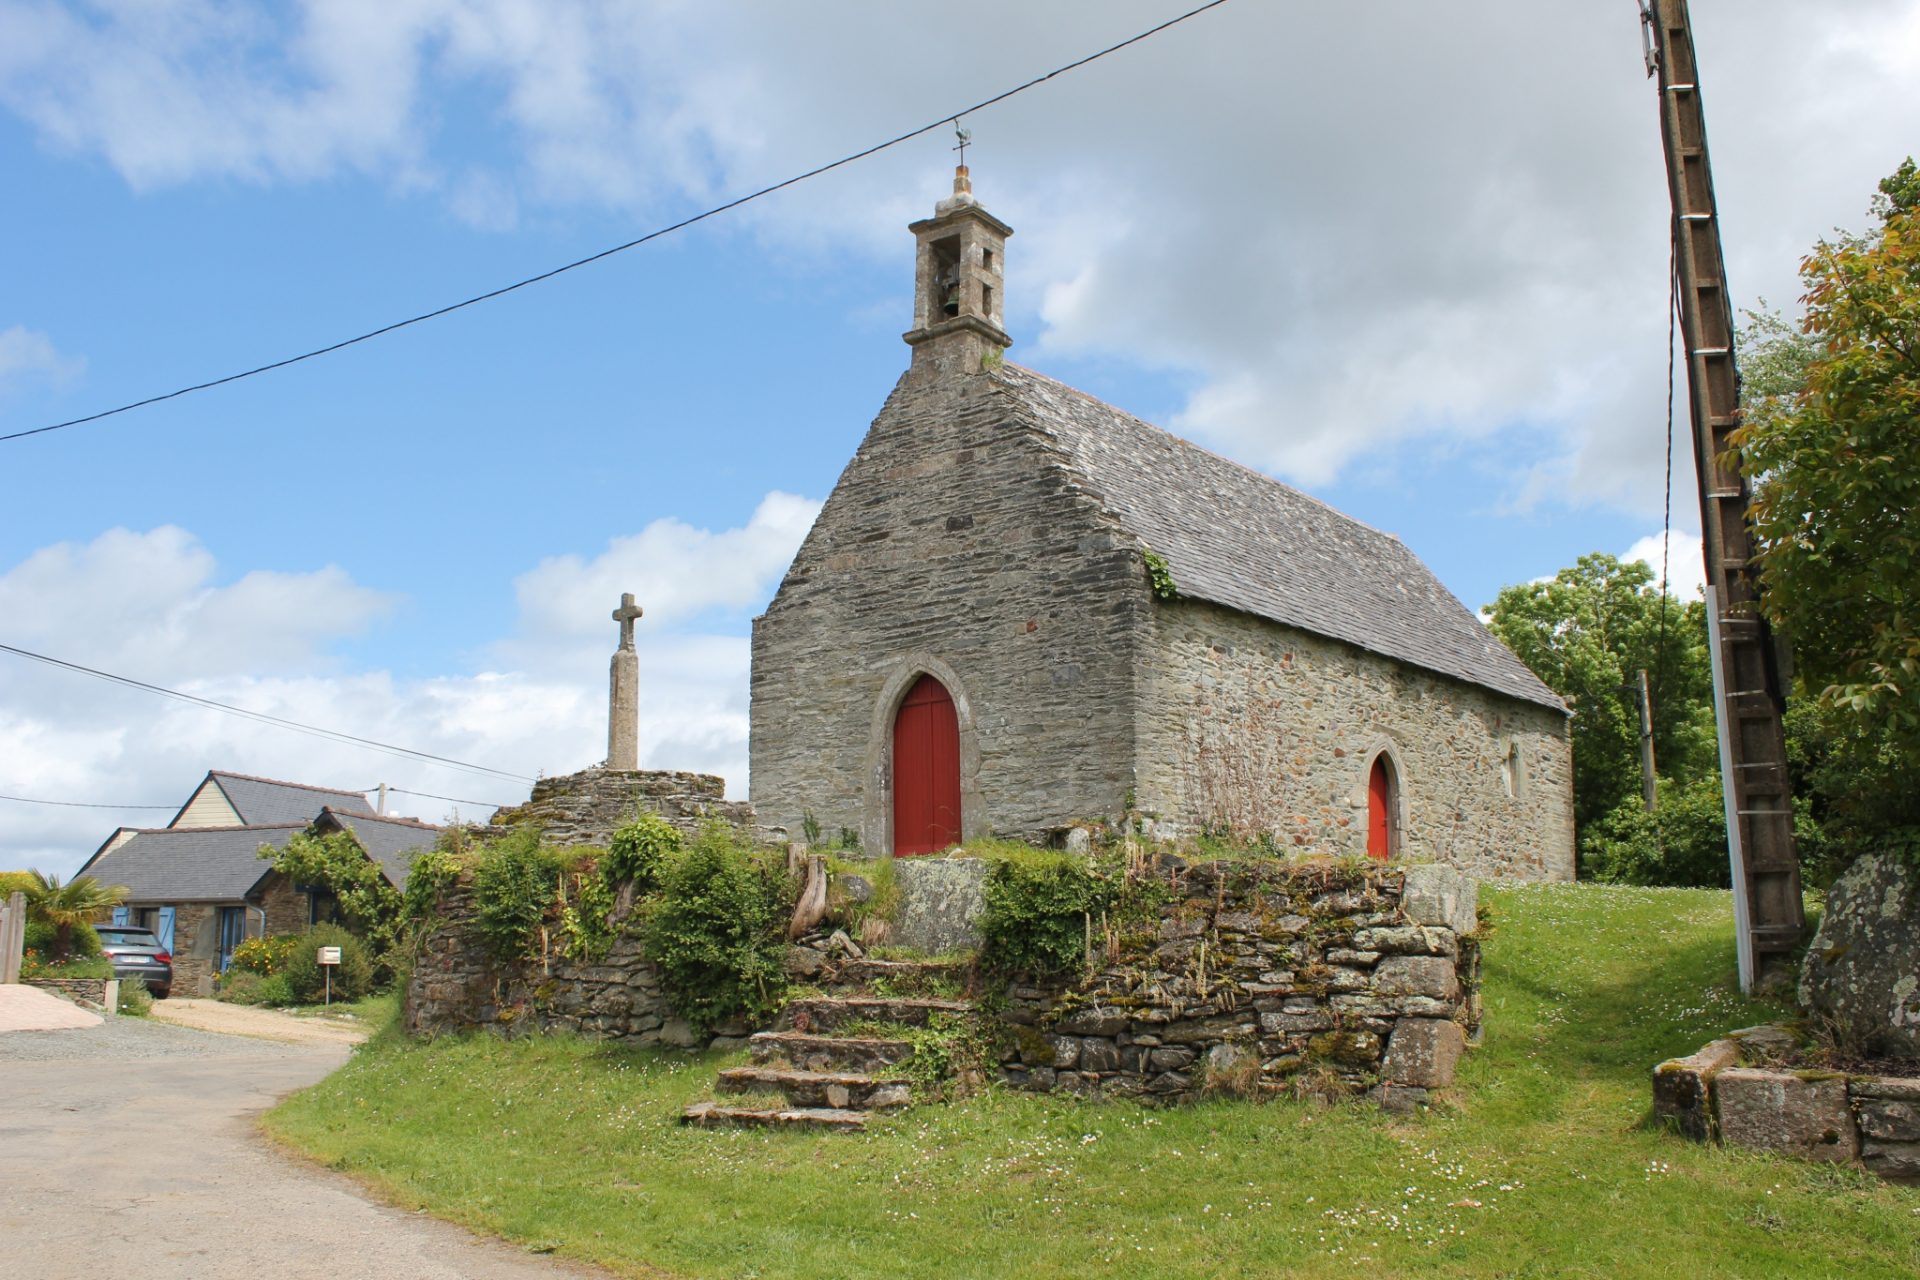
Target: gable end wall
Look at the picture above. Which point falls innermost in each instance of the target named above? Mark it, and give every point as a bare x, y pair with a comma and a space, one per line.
954, 542
1264, 728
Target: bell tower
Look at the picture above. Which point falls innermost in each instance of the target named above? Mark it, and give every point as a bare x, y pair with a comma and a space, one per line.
959, 283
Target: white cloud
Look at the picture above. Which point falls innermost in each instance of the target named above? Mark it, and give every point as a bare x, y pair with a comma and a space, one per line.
1686, 568
23, 351
154, 606
1354, 231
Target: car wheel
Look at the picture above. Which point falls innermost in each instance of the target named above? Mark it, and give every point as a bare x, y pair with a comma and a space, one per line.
160, 993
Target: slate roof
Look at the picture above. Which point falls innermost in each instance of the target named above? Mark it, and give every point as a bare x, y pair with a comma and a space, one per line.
268, 800
391, 842
1235, 537
191, 864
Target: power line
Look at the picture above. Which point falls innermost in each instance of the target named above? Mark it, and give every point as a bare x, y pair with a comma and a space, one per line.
428, 795
333, 735
950, 118
81, 804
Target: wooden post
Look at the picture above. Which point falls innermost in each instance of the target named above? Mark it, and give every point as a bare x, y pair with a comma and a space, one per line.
13, 936
1749, 699
1643, 698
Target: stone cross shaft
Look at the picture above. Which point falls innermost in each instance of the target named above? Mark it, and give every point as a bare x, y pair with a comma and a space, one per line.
623, 701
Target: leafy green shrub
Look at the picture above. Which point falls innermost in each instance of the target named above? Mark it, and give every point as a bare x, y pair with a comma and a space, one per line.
586, 920
1683, 844
246, 986
264, 955
515, 882
1038, 915
367, 901
306, 977
638, 852
36, 964
82, 942
432, 872
135, 1000
716, 928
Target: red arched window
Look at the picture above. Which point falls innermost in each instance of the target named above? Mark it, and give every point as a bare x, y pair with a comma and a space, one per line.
1380, 805
926, 770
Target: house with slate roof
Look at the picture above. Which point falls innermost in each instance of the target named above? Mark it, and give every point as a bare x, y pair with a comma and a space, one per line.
1022, 610
200, 884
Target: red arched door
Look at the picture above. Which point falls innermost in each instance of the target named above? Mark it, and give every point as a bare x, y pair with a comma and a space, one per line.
926, 771
1380, 809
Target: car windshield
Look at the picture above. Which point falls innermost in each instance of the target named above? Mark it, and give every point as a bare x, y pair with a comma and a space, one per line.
127, 937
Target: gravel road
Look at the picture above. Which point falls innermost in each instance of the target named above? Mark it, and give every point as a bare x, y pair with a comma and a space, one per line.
129, 1149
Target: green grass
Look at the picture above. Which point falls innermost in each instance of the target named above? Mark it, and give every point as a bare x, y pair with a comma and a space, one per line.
1543, 1165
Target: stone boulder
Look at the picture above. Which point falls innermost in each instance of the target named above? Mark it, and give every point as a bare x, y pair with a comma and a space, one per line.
1442, 896
1860, 982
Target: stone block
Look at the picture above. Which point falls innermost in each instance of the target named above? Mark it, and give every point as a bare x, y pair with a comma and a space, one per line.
1683, 1088
1422, 1052
1442, 896
940, 903
1895, 1161
1431, 976
1100, 1056
1092, 1021
1066, 1052
1888, 1120
1283, 1024
1348, 956
681, 1034
1172, 1059
1795, 1113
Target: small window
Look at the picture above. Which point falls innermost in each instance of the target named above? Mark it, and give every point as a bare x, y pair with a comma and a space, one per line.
1510, 769
986, 259
986, 301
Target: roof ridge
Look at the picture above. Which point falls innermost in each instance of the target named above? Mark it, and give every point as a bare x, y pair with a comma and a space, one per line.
1200, 448
244, 826
282, 782
396, 819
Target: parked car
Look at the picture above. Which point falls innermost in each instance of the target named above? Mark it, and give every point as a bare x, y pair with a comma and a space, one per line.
137, 953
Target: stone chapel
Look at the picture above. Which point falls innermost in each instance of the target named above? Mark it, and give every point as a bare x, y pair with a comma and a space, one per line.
1022, 609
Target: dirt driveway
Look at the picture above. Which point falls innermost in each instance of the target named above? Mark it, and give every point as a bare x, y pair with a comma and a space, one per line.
128, 1149
259, 1024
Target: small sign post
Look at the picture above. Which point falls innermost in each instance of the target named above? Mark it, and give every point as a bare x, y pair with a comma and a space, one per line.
329, 957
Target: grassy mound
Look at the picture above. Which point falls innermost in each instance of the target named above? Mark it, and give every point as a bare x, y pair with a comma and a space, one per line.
1543, 1165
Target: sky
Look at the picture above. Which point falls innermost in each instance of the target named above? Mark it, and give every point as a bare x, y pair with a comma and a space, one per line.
1408, 256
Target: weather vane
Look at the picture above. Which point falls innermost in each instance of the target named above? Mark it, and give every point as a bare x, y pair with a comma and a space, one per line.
965, 136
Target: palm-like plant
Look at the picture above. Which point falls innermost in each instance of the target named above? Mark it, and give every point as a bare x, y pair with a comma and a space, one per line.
65, 906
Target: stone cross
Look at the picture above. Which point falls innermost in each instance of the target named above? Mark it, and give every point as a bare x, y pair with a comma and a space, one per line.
625, 615
623, 701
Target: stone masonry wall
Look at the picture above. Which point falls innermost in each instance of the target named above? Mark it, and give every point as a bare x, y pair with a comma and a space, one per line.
953, 544
457, 985
587, 807
1262, 973
1263, 728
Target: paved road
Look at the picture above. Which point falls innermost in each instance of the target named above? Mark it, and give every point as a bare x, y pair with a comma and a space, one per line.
261, 1024
128, 1149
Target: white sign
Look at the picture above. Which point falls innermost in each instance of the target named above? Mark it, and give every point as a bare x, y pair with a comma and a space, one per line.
329, 955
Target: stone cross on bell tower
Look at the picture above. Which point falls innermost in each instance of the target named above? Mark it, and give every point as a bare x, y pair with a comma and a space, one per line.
623, 703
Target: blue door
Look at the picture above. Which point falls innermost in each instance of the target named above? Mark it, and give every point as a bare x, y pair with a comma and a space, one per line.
120, 915
233, 932
165, 931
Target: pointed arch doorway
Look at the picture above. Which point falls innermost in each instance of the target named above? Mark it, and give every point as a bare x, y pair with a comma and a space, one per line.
1381, 788
926, 770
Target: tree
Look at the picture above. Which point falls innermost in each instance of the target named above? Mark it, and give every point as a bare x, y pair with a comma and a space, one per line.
1586, 632
337, 863
1836, 507
69, 906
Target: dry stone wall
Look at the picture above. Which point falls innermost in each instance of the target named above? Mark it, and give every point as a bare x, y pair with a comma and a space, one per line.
587, 807
1248, 725
458, 985
1262, 974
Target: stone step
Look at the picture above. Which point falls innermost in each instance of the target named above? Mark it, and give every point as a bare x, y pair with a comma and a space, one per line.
832, 1090
825, 1014
714, 1116
826, 1053
900, 977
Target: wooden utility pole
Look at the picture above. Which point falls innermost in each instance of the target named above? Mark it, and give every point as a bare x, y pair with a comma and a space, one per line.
1643, 700
1748, 697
